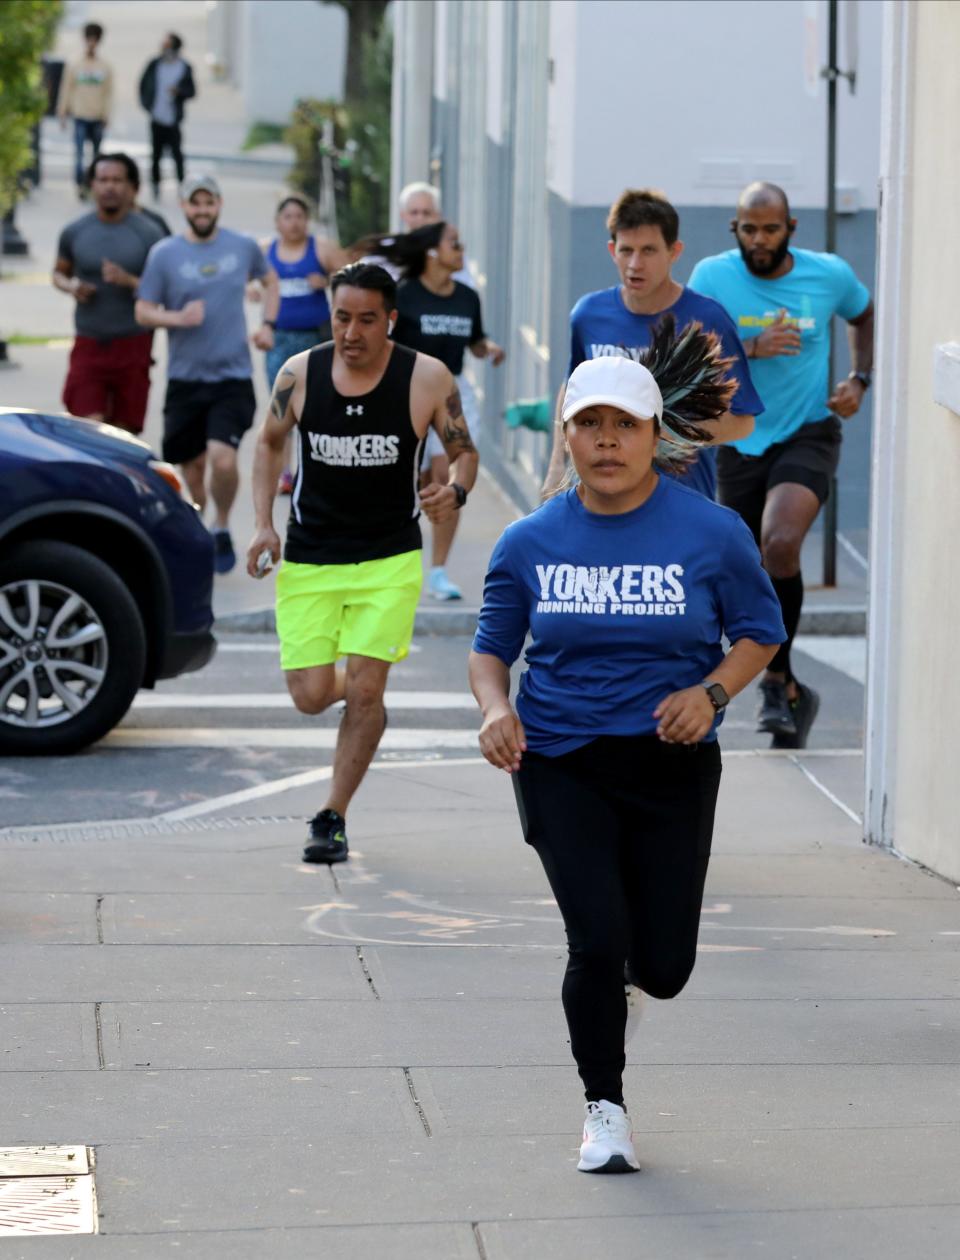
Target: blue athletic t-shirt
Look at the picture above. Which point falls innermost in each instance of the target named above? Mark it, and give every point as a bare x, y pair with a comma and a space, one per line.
601, 324
621, 610
794, 388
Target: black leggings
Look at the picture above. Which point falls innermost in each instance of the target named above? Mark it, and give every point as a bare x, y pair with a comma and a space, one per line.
623, 827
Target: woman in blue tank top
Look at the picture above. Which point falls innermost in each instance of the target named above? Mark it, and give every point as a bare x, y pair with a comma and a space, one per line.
302, 264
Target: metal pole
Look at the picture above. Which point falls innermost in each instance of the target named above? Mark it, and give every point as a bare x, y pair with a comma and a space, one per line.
831, 74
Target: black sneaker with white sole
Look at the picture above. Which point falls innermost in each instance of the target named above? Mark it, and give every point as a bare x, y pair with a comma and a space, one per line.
327, 838
774, 715
804, 709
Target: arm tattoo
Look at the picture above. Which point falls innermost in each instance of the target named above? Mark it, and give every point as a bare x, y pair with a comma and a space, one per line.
454, 408
454, 431
283, 389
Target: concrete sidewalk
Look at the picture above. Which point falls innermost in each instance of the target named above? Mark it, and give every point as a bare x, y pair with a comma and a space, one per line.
278, 1060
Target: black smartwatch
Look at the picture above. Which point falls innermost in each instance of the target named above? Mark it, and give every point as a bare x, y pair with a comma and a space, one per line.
270, 323
718, 696
863, 377
461, 494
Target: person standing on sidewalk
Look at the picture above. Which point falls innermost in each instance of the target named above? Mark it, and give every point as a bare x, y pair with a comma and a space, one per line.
438, 315
193, 286
86, 95
626, 584
644, 245
303, 264
100, 259
167, 81
783, 301
352, 569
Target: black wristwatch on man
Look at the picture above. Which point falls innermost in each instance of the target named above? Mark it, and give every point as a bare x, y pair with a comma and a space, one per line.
863, 377
461, 494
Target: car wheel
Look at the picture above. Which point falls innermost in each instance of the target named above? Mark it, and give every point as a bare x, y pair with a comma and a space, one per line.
72, 648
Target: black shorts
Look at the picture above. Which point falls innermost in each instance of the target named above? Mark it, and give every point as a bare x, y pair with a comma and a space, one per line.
198, 412
808, 458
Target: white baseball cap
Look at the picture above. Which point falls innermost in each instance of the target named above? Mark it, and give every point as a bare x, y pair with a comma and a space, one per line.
199, 183
613, 381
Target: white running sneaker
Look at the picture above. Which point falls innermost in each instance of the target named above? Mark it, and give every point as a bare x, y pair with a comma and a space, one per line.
607, 1140
634, 998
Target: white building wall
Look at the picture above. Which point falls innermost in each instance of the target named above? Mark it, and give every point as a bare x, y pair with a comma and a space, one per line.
286, 50
700, 97
913, 680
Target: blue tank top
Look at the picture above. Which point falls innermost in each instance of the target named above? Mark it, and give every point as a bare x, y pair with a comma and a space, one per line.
301, 307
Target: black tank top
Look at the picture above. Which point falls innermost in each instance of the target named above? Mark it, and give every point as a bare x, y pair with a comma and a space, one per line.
355, 496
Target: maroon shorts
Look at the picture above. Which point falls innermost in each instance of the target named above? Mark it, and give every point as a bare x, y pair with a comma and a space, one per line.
110, 379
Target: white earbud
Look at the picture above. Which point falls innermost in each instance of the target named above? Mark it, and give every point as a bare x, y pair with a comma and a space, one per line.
390, 325
432, 253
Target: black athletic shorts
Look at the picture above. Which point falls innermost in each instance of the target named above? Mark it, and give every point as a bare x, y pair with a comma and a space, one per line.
197, 412
808, 458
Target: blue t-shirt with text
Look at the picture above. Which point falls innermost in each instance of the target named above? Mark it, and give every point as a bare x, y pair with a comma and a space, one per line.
179, 271
794, 388
621, 610
600, 324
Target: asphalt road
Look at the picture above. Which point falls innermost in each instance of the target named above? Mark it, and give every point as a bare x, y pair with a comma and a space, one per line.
203, 738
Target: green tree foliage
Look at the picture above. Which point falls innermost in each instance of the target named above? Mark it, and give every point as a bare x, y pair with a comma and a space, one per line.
360, 153
27, 28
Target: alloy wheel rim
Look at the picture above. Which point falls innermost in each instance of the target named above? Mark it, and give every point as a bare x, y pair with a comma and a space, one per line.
53, 654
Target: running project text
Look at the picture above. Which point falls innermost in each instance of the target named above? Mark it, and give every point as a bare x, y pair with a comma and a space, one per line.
632, 590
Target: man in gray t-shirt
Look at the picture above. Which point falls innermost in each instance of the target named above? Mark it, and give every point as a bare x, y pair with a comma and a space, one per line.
193, 286
100, 257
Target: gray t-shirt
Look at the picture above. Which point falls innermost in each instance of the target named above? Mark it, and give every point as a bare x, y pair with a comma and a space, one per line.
169, 74
217, 271
85, 244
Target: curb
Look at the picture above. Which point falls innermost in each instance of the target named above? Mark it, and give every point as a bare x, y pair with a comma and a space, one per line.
846, 619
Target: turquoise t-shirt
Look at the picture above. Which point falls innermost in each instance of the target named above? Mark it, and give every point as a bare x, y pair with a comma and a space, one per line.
794, 388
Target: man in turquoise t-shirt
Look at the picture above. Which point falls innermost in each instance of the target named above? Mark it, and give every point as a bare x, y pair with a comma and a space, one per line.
782, 301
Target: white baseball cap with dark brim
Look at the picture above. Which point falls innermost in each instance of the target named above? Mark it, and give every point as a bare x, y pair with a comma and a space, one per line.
613, 381
199, 183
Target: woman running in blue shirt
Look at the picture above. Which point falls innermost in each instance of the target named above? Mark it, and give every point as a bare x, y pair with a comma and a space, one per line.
303, 264
626, 585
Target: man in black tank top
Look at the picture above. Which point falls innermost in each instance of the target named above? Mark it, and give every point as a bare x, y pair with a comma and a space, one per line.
351, 573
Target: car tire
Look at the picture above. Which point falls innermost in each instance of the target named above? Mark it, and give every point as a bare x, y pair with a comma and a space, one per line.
76, 633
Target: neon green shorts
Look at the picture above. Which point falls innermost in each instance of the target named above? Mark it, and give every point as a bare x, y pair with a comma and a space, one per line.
325, 611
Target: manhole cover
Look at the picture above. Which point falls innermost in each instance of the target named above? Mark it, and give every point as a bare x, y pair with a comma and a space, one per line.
46, 1190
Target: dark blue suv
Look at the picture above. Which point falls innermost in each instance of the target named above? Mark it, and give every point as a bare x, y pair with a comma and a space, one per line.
106, 576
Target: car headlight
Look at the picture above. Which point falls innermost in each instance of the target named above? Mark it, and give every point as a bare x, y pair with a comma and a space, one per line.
172, 478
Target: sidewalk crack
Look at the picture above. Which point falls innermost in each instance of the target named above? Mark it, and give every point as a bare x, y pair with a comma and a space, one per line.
411, 1087
366, 971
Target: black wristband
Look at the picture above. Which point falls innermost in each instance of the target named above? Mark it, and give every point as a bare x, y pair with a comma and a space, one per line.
269, 323
461, 494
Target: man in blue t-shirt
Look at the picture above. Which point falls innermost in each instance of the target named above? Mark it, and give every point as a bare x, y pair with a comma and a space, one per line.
783, 301
193, 285
644, 244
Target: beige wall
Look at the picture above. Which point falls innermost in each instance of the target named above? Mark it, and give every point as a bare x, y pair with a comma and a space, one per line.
923, 726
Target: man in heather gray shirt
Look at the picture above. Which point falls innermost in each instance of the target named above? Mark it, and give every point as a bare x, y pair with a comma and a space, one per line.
193, 286
100, 257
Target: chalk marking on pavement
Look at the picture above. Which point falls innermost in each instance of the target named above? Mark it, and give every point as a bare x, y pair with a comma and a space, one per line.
835, 929
304, 779
280, 700
821, 787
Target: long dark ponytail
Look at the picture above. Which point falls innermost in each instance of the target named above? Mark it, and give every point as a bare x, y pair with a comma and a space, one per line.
406, 250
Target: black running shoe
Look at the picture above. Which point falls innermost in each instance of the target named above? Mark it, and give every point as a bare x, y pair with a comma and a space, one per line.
327, 838
804, 709
775, 715
224, 556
